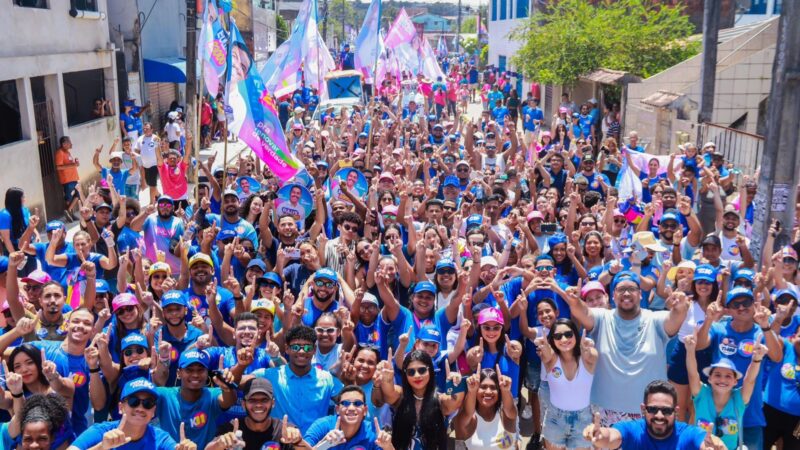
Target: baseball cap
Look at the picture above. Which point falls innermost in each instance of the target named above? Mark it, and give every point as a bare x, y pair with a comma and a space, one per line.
705, 272
429, 333
257, 262
174, 297
201, 258
711, 239
230, 192
474, 220
370, 298
445, 264
784, 292
270, 277
425, 286
298, 126
259, 386
591, 287
326, 273
488, 261
264, 305
133, 339
122, 300
103, 205
37, 276
730, 209
159, 267
671, 214
738, 292
298, 109
461, 162
491, 315
389, 209
165, 198
115, 155
625, 275
193, 357
685, 264
386, 176
744, 273
648, 240
226, 234
788, 252
535, 215
723, 363
450, 180
54, 225
138, 385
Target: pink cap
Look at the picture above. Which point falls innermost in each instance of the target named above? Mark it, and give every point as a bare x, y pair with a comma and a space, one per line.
546, 133
122, 300
389, 209
535, 215
788, 252
37, 276
490, 315
618, 213
563, 110
386, 176
298, 126
592, 286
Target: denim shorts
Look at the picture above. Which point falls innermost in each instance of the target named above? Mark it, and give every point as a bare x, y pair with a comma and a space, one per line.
565, 428
69, 190
533, 375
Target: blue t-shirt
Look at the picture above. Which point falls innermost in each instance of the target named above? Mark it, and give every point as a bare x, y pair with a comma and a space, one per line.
75, 368
58, 274
242, 227
302, 398
499, 113
199, 418
5, 223
635, 437
178, 347
781, 391
118, 177
129, 120
726, 424
405, 319
224, 299
363, 439
529, 115
493, 97
162, 232
154, 438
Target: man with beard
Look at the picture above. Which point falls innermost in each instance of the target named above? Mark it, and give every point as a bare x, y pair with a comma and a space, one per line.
734, 245
302, 391
193, 407
297, 272
258, 430
178, 333
160, 230
229, 218
657, 429
348, 427
624, 370
670, 233
350, 224
287, 236
201, 275
324, 287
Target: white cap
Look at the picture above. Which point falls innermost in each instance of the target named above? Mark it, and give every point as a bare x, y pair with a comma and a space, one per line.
488, 261
115, 155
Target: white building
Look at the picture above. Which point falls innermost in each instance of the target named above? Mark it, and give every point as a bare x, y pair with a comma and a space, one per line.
54, 64
504, 17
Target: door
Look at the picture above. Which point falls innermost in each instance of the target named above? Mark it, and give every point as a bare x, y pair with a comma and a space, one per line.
46, 135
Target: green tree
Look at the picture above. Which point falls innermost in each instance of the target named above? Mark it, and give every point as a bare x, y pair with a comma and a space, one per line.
281, 29
574, 37
467, 24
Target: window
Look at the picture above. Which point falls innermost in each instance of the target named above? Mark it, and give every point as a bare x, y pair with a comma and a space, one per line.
11, 131
503, 9
494, 9
81, 89
522, 9
85, 5
41, 4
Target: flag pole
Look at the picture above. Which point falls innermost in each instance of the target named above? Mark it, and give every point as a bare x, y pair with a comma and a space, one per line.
225, 102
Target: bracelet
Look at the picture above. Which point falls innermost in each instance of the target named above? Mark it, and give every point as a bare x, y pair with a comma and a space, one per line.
17, 395
97, 370
765, 329
757, 360
239, 298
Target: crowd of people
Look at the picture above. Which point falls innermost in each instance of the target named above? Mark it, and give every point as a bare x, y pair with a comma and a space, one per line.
487, 277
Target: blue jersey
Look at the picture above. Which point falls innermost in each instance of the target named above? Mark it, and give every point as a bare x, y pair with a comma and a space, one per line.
199, 418
154, 438
635, 437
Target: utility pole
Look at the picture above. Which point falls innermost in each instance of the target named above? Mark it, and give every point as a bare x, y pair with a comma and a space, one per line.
708, 71
777, 184
325, 22
192, 103
458, 28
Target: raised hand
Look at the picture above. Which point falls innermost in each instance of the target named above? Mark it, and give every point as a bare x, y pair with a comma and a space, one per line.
116, 437
505, 381
594, 432
384, 439
185, 444
514, 350
13, 381
587, 344
761, 316
336, 435
289, 435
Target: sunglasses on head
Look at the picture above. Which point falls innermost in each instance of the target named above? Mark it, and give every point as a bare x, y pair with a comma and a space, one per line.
308, 348
146, 403
413, 372
349, 403
135, 350
563, 335
665, 410
321, 283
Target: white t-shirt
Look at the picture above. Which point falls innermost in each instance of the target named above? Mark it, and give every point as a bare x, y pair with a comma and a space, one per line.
496, 162
173, 132
730, 250
147, 147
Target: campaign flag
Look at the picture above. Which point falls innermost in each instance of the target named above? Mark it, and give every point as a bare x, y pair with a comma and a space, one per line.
441, 47
402, 30
483, 33
212, 48
255, 115
368, 45
428, 64
641, 161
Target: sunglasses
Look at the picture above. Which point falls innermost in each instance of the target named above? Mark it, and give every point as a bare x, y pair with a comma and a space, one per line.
544, 268
33, 287
564, 335
741, 304
665, 410
135, 350
348, 227
446, 271
462, 169
231, 174
131, 213
668, 226
414, 372
125, 309
349, 403
791, 261
325, 330
270, 285
493, 328
146, 403
308, 348
390, 216
327, 284
620, 221
162, 205
587, 224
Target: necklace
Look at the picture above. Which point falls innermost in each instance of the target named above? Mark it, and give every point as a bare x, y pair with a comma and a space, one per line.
418, 397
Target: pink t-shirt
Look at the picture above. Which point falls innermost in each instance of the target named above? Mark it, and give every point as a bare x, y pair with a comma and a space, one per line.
174, 181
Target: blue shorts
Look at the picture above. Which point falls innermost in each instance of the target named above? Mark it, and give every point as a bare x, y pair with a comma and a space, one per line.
132, 191
533, 375
565, 428
676, 372
69, 190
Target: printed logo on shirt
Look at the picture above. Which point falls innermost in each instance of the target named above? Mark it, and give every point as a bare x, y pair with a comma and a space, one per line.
733, 250
195, 302
79, 378
729, 426
240, 229
727, 346
374, 337
746, 348
271, 445
556, 372
705, 425
788, 372
503, 439
595, 184
199, 420
173, 354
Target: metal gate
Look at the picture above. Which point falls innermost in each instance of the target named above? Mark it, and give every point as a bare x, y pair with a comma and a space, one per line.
46, 136
742, 149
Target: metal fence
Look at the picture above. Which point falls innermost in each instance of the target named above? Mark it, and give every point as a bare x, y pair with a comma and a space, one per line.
743, 149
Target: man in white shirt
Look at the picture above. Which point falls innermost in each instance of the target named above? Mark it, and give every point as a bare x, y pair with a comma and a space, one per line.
147, 145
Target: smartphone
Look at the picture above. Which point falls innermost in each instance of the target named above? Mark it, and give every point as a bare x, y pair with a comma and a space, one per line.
549, 228
452, 389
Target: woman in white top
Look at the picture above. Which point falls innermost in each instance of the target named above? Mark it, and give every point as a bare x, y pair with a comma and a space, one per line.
488, 417
569, 361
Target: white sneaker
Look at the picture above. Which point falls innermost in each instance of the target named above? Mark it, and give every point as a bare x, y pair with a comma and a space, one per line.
527, 413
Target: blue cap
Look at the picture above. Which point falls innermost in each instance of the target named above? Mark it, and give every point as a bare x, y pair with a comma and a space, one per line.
439, 126
474, 220
174, 297
429, 333
133, 339
103, 205
326, 273
362, 134
101, 286
575, 115
191, 357
671, 214
138, 385
738, 292
625, 275
705, 272
270, 277
781, 292
746, 274
257, 262
445, 264
226, 234
557, 238
54, 225
165, 198
723, 363
425, 286
450, 180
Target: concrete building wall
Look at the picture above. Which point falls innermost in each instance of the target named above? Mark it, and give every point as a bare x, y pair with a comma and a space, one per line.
33, 52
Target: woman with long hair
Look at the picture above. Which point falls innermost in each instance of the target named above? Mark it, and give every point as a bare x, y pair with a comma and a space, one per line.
420, 411
569, 363
593, 254
39, 375
488, 417
494, 348
14, 220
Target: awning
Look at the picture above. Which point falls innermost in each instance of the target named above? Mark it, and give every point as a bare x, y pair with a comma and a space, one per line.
608, 76
165, 70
